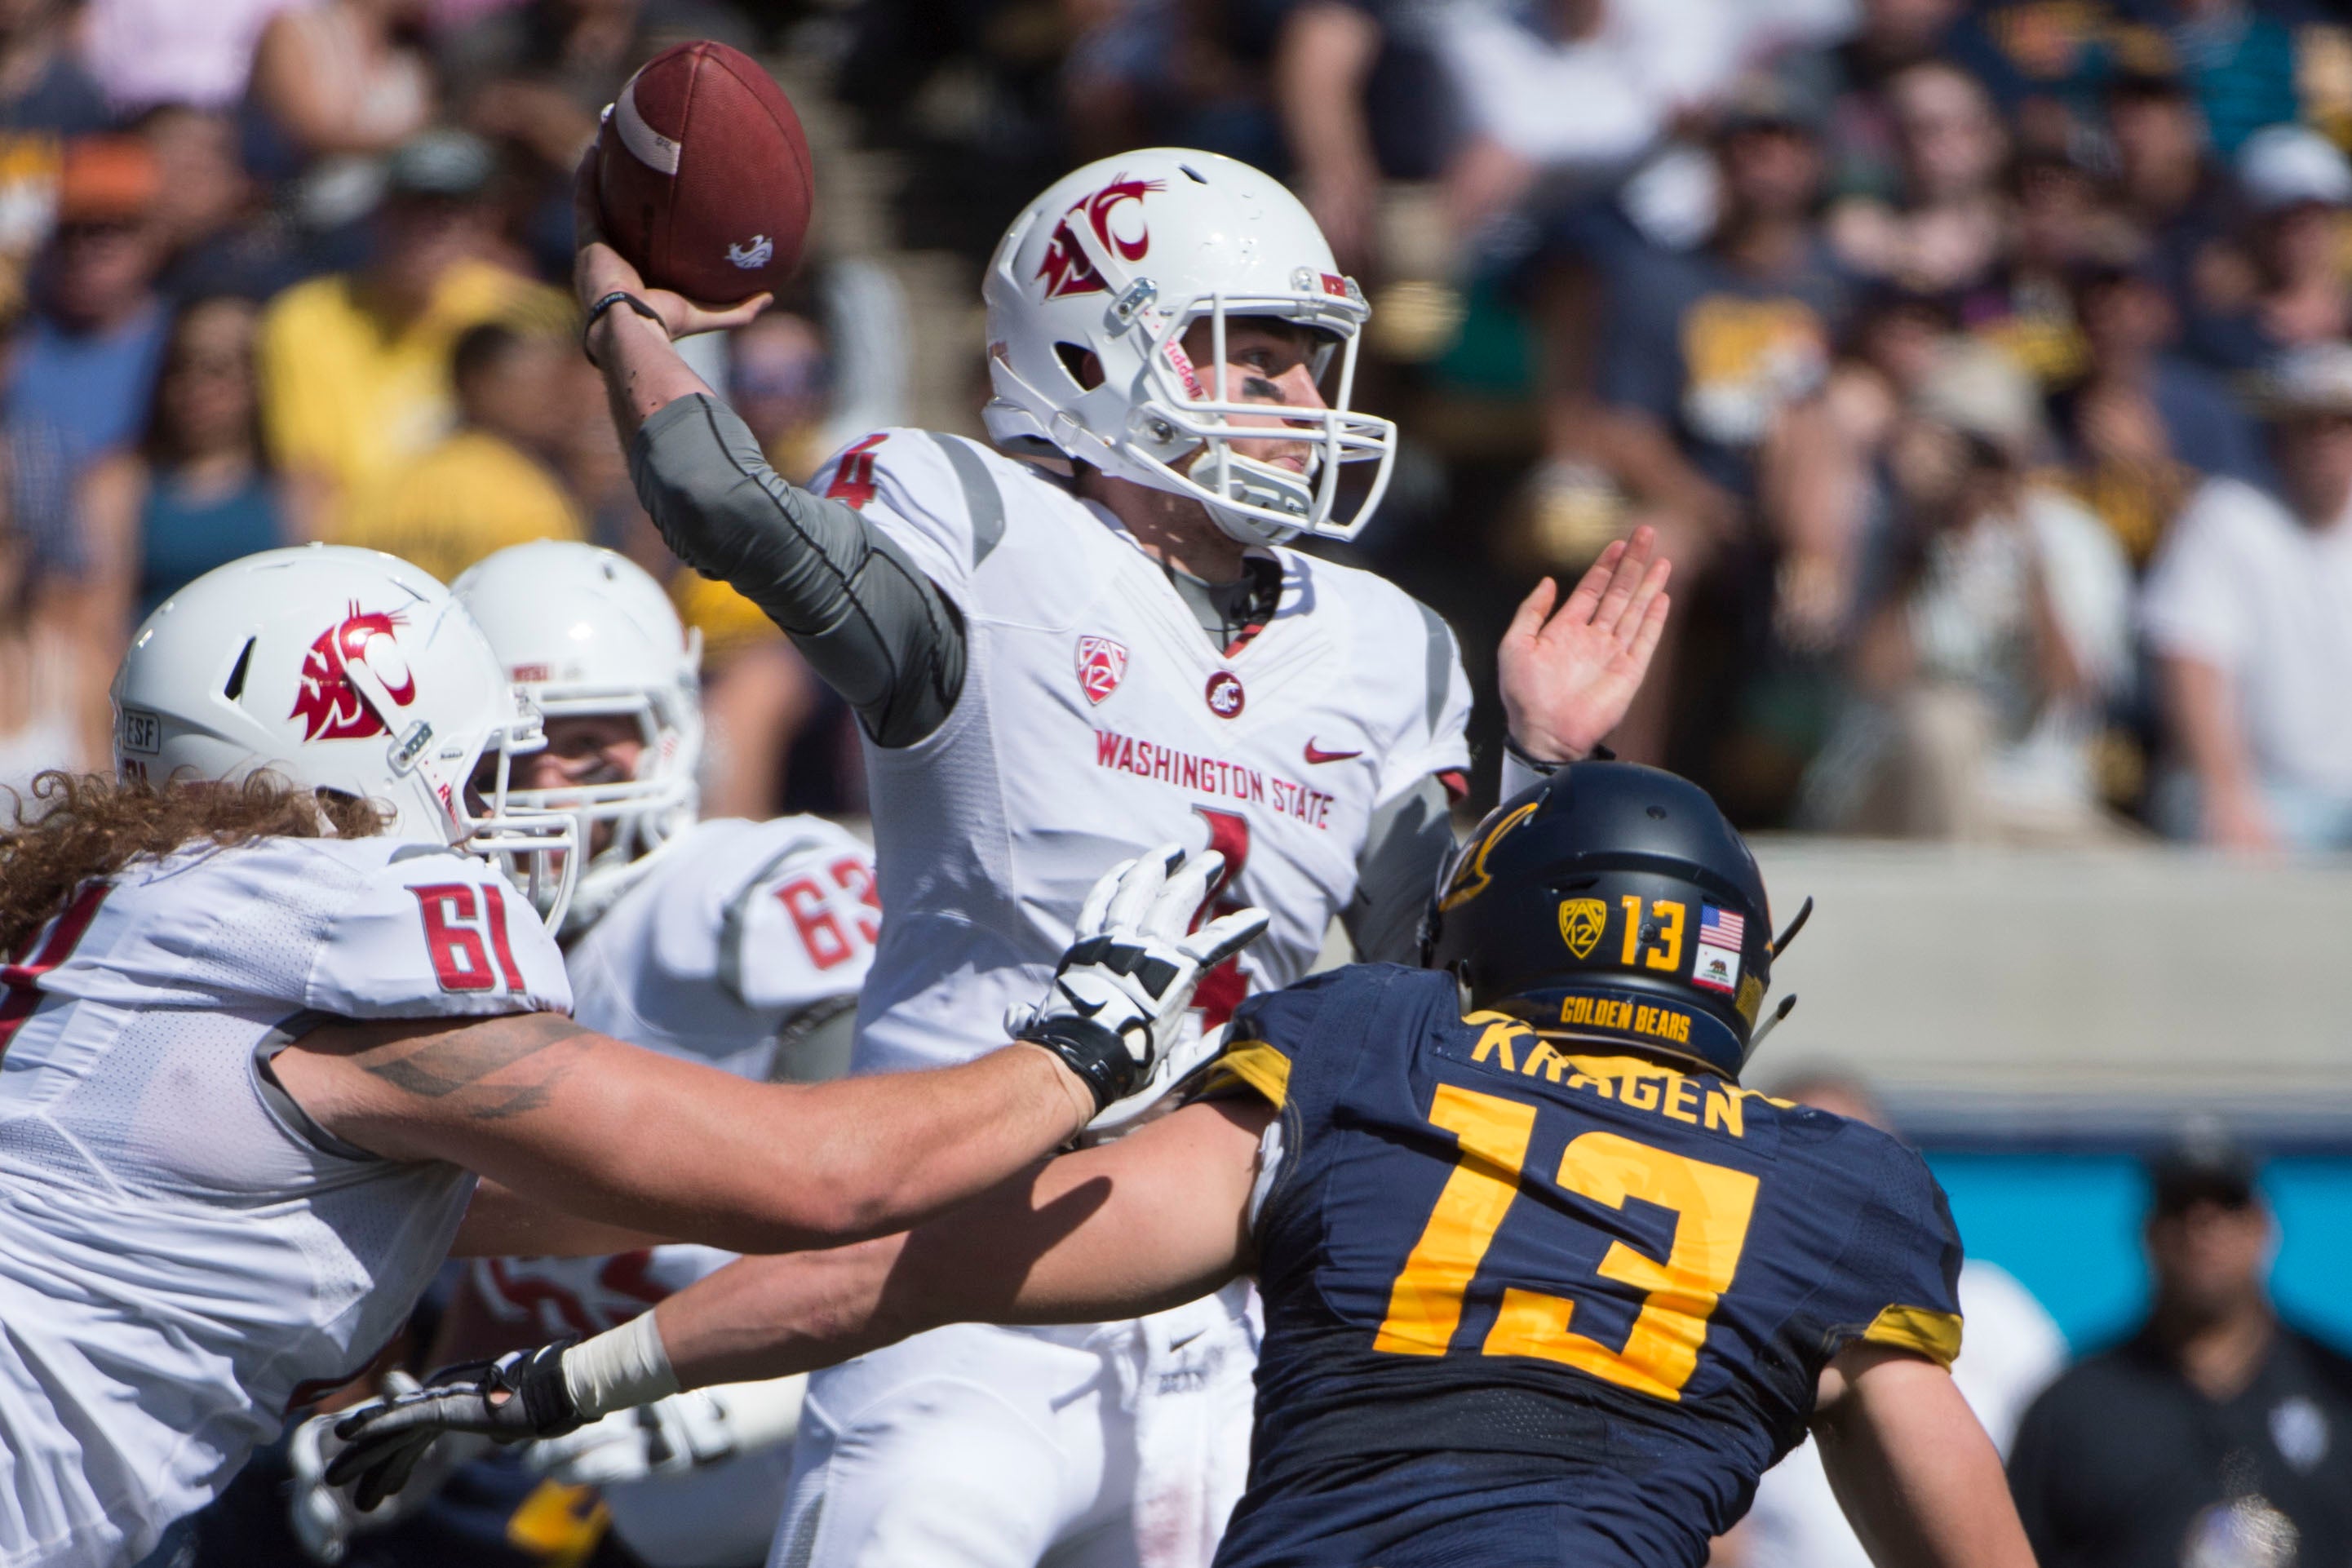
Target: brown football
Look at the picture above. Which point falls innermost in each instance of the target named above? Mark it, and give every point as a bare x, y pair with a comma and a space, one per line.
702, 175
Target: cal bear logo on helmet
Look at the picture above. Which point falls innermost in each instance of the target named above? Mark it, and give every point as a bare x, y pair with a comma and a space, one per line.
1065, 269
328, 705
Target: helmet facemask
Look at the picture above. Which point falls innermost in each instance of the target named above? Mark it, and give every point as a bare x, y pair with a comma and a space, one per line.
1174, 414
646, 812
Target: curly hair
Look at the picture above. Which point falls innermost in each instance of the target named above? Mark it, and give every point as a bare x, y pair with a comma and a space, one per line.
94, 827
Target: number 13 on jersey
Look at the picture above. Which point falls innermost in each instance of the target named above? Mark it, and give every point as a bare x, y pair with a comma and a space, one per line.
1712, 1207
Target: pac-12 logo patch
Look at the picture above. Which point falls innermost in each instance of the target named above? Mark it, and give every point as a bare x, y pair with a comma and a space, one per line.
1582, 921
1225, 694
1102, 663
328, 705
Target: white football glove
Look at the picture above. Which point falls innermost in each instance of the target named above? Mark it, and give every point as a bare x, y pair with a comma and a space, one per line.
1115, 1011
324, 1516
669, 1436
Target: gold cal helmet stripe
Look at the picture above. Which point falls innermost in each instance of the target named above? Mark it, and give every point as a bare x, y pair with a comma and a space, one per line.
1470, 878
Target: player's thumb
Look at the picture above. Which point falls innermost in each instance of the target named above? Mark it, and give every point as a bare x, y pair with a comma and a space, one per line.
1226, 936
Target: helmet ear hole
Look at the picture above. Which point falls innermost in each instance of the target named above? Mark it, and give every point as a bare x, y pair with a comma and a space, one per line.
235, 687
1079, 363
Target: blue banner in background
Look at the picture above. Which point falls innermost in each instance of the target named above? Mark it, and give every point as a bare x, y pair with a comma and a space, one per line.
2067, 1226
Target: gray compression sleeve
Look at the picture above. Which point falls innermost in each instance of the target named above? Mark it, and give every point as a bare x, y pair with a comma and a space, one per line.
1411, 839
876, 629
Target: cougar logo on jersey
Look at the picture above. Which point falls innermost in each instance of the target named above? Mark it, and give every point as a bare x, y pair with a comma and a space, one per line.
1066, 270
1225, 694
1101, 663
328, 705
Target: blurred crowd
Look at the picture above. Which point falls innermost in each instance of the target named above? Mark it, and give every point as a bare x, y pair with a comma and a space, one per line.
1987, 368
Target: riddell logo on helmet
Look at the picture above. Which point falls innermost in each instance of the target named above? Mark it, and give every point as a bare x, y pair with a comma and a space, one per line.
328, 705
1066, 270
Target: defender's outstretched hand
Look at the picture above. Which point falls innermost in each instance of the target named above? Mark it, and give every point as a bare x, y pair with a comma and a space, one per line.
1115, 1011
1569, 676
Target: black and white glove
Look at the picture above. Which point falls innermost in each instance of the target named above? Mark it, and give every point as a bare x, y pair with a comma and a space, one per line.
1115, 1013
520, 1397
324, 1516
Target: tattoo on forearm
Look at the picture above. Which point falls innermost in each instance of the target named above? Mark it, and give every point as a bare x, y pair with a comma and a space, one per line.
445, 1064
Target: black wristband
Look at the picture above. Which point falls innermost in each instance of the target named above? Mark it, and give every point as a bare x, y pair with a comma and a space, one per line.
537, 1380
1534, 764
1093, 1051
618, 297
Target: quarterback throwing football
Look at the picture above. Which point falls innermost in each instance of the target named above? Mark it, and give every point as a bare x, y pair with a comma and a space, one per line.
1081, 639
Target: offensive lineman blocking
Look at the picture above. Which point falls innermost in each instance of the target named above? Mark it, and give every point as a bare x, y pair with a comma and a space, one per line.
270, 1011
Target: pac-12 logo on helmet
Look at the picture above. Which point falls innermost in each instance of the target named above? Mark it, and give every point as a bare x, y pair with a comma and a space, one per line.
1065, 269
328, 705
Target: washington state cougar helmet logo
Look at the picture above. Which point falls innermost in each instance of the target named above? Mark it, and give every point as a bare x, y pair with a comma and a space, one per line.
328, 705
1066, 270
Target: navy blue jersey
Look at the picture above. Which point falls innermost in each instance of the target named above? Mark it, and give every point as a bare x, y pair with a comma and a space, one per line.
1531, 1305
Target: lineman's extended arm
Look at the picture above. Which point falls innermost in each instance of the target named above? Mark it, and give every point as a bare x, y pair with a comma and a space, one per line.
1912, 1466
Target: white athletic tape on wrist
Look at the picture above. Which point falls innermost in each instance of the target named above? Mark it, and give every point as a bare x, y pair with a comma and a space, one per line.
619, 1368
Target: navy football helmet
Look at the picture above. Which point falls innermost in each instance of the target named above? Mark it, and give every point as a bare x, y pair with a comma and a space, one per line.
1612, 902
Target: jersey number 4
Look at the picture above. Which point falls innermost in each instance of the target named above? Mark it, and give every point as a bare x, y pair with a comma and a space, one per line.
455, 935
1712, 1207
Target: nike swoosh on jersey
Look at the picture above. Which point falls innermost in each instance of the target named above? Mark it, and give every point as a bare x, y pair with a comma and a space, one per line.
1315, 754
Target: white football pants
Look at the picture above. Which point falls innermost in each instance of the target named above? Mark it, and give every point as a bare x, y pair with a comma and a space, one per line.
1109, 1445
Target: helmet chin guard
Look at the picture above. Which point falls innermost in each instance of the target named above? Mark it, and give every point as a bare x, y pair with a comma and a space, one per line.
1118, 261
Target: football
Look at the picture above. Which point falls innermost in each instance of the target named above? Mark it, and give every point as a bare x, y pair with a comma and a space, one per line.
702, 175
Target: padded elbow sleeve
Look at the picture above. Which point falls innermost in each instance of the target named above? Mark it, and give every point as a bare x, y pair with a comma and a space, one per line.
870, 622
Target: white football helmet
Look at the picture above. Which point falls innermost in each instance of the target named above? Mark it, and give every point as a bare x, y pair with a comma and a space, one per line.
343, 669
1117, 260
582, 630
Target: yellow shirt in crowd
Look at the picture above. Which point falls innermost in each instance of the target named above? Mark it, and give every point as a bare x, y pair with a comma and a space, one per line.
470, 497
344, 399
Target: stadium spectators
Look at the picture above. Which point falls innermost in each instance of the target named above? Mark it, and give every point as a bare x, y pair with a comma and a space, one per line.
147, 53
1982, 670
2215, 1434
2249, 612
356, 366
1641, 281
2181, 200
2284, 286
85, 364
194, 491
2142, 423
1945, 228
492, 482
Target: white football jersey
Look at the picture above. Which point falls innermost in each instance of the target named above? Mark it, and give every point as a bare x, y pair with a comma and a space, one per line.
184, 1256
1095, 722
735, 927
